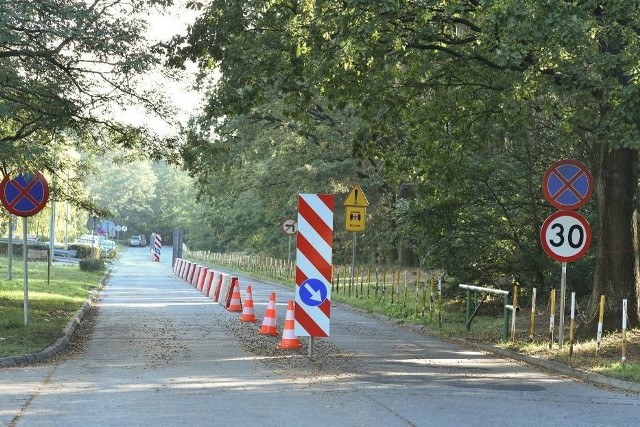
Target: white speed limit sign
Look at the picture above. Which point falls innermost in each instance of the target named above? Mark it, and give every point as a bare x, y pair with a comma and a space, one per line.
565, 236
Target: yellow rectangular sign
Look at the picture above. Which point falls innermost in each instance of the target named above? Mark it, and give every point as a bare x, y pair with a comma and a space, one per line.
356, 218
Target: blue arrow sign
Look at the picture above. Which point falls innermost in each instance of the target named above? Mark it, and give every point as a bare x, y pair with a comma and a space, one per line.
313, 292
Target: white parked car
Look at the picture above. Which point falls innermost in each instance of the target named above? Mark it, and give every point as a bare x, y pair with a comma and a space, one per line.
108, 245
135, 241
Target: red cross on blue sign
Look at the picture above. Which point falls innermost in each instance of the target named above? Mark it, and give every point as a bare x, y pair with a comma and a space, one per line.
567, 185
24, 195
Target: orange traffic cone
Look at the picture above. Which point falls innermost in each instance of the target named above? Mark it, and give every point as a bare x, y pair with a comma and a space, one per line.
289, 340
269, 322
248, 315
235, 304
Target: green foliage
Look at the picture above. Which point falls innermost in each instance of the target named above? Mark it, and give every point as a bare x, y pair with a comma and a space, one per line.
448, 114
64, 65
146, 197
86, 251
90, 264
126, 189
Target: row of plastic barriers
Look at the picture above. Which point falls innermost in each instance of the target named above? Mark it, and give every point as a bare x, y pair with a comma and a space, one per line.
224, 289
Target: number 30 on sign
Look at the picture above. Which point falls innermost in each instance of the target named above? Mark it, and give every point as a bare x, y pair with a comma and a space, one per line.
565, 236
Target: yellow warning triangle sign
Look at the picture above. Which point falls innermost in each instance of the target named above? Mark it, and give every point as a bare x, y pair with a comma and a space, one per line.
356, 198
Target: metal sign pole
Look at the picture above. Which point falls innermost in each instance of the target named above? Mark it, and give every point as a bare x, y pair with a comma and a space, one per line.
12, 221
563, 291
26, 271
52, 232
353, 262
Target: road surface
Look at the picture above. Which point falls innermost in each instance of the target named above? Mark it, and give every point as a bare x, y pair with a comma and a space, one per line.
162, 354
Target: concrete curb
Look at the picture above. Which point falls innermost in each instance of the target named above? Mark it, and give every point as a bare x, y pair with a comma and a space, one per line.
62, 342
590, 377
550, 365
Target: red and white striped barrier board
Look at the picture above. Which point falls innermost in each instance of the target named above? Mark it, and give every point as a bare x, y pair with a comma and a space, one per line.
185, 270
223, 290
155, 248
207, 282
196, 273
201, 277
191, 272
313, 265
215, 286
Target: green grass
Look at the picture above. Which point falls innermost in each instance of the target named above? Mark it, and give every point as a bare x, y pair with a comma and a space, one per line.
607, 360
628, 371
54, 296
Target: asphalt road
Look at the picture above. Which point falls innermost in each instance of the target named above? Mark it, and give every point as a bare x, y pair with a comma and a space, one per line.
162, 354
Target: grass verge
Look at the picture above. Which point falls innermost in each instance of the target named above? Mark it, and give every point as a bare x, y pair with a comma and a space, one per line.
54, 296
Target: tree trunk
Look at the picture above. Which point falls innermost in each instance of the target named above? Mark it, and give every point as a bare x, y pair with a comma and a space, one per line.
617, 275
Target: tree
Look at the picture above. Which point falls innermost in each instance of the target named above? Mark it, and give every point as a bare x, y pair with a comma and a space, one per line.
249, 175
460, 106
123, 191
65, 68
175, 206
568, 66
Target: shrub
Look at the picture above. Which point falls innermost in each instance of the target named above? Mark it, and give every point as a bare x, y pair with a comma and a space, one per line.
89, 264
86, 251
17, 246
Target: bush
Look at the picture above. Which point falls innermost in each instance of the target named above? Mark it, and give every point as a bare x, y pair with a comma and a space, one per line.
17, 246
89, 264
86, 251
